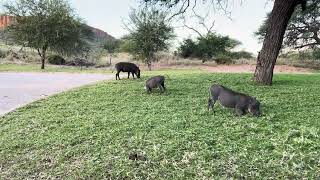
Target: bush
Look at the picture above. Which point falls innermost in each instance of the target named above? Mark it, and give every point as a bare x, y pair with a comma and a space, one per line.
212, 46
316, 54
81, 62
241, 54
3, 54
223, 59
56, 60
187, 48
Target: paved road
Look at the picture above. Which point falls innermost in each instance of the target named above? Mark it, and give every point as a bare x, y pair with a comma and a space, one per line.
18, 89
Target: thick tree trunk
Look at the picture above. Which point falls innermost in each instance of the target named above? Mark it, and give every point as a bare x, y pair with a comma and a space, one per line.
277, 24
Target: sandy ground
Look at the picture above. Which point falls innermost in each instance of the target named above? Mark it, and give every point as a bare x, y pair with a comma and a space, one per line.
19, 89
236, 68
251, 68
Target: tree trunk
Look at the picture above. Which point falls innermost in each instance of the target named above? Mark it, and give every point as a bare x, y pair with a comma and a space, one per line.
42, 62
148, 62
277, 25
149, 66
43, 54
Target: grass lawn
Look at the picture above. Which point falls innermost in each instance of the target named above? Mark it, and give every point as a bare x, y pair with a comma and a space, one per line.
48, 68
90, 133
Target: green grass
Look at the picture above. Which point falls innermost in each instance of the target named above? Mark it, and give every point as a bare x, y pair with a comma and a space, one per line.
89, 133
48, 68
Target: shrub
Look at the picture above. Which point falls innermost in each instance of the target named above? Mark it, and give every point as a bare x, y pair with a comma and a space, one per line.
3, 54
316, 54
223, 59
187, 48
208, 46
241, 54
81, 62
56, 60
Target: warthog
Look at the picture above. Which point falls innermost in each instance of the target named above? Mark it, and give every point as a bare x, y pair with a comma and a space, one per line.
155, 82
127, 67
231, 99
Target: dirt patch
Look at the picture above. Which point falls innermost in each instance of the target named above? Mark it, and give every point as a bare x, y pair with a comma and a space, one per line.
245, 68
235, 68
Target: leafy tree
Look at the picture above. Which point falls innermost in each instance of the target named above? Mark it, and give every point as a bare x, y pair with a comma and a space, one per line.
303, 28
208, 46
47, 25
213, 45
150, 33
277, 25
187, 48
111, 47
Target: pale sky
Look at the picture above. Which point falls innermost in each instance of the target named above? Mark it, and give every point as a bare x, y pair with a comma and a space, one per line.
108, 15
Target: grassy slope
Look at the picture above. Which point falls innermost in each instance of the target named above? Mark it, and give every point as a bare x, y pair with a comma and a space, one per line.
90, 132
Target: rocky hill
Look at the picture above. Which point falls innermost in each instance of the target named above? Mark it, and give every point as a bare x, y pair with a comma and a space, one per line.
100, 35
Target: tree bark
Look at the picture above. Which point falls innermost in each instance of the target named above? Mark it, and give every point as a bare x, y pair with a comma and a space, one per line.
149, 66
277, 25
42, 53
148, 62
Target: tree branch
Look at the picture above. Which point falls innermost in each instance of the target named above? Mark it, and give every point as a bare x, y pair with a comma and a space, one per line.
182, 10
305, 45
191, 28
39, 52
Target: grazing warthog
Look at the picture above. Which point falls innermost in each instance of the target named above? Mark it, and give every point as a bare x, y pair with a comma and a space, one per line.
155, 82
231, 99
127, 67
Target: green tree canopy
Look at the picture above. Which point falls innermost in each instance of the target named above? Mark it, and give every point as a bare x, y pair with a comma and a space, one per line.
276, 28
47, 25
303, 29
149, 33
209, 46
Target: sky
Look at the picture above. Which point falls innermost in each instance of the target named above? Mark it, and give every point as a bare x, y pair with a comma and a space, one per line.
245, 18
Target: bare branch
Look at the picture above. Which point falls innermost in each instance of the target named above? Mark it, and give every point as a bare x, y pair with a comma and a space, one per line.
193, 29
305, 45
182, 10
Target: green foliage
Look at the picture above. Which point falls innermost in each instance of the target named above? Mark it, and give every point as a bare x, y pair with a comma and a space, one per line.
316, 53
303, 27
126, 45
48, 25
89, 133
188, 48
223, 59
149, 33
211, 46
262, 30
112, 46
309, 54
241, 55
3, 54
56, 60
214, 44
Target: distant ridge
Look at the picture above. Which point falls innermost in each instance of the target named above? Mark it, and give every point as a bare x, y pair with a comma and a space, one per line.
100, 35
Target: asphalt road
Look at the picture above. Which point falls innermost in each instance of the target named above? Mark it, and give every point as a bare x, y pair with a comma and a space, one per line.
19, 89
